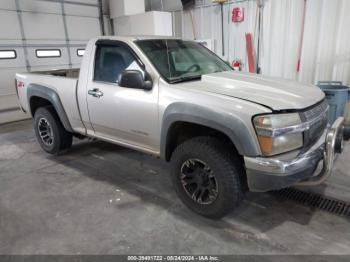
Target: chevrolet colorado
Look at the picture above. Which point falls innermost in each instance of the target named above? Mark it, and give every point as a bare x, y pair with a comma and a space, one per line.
224, 132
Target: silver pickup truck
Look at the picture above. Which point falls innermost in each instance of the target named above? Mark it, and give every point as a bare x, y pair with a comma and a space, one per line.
225, 133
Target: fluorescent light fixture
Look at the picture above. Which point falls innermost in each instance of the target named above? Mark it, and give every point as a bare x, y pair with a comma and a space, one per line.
8, 54
41, 53
80, 52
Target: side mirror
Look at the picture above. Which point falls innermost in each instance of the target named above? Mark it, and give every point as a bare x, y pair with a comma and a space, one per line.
134, 79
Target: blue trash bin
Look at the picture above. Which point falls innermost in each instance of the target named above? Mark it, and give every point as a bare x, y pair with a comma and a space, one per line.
337, 97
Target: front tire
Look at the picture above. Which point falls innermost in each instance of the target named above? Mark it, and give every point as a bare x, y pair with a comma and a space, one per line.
49, 131
206, 177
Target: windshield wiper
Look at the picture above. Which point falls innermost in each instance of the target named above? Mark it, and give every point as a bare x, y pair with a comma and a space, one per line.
184, 79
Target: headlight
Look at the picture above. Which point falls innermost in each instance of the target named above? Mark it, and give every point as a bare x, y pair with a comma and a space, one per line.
278, 133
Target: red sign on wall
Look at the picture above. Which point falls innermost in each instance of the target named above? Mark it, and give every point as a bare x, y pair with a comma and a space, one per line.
237, 14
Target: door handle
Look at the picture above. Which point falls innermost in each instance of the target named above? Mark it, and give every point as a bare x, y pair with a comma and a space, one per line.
95, 93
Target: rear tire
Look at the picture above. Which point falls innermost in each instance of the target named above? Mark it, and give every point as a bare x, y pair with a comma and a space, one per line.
207, 177
49, 131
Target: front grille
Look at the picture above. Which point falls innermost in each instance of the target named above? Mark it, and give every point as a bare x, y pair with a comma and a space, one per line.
315, 111
317, 128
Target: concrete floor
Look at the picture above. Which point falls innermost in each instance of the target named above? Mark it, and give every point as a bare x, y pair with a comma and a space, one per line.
104, 199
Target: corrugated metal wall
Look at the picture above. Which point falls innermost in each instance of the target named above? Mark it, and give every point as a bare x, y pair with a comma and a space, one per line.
27, 25
326, 45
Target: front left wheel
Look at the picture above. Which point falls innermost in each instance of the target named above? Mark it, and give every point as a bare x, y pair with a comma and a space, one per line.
49, 131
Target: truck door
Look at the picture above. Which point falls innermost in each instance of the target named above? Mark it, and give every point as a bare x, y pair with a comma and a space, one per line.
124, 115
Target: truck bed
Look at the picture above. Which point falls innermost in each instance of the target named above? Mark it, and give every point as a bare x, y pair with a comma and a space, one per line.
63, 82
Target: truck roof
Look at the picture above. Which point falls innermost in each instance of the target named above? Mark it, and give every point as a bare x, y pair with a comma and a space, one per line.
136, 37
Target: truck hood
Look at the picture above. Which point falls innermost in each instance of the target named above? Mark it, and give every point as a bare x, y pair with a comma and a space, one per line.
275, 93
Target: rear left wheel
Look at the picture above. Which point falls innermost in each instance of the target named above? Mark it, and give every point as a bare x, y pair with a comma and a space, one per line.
49, 131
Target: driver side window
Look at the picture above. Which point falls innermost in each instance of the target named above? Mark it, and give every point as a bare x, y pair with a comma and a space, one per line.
111, 61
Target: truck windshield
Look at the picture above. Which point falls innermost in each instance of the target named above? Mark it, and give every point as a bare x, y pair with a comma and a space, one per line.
179, 61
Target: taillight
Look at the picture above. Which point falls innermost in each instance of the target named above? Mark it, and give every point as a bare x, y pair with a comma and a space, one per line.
19, 84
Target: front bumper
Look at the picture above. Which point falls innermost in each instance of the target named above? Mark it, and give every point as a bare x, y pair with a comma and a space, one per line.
271, 173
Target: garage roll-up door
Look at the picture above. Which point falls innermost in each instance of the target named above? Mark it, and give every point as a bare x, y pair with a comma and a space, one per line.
54, 26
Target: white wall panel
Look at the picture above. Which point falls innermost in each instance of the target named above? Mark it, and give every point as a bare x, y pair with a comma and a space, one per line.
75, 58
8, 101
90, 2
40, 6
327, 39
9, 32
82, 28
8, 82
341, 69
235, 45
43, 26
13, 63
81, 10
326, 52
119, 8
8, 4
153, 23
171, 5
47, 61
311, 37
